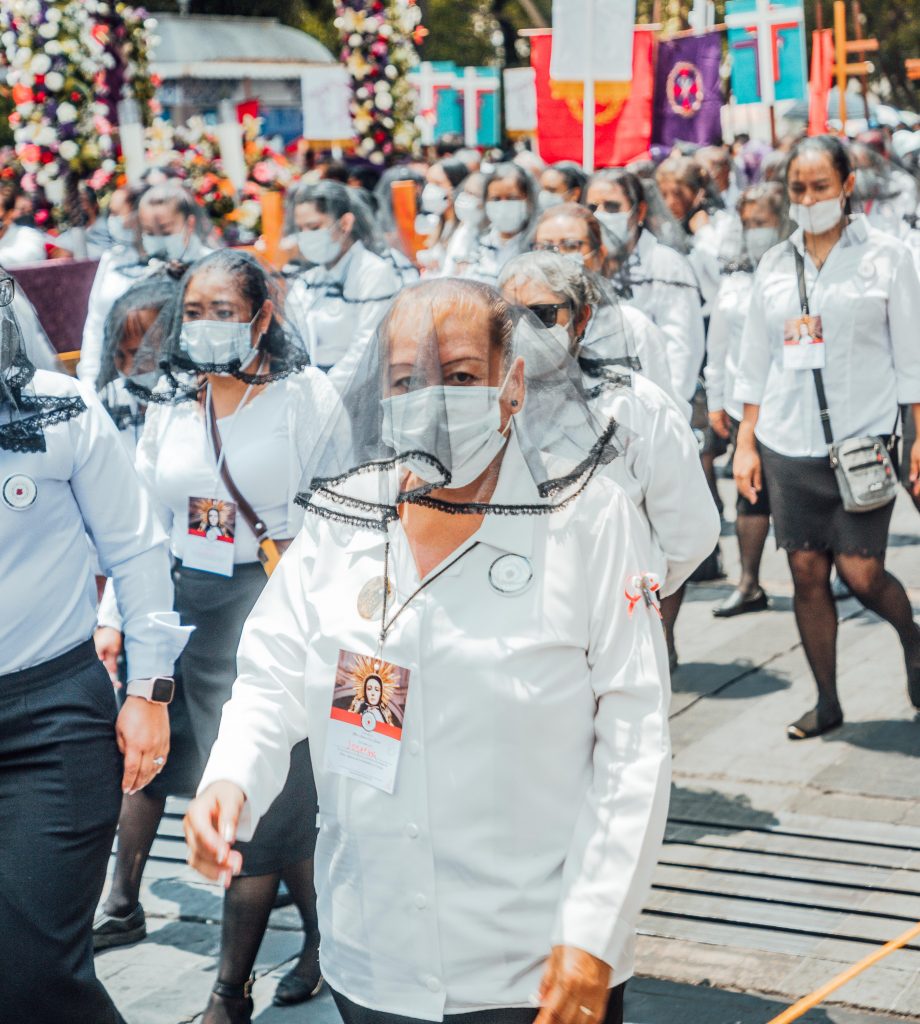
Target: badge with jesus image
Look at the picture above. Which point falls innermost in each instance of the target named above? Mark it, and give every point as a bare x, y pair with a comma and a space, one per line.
803, 343
367, 719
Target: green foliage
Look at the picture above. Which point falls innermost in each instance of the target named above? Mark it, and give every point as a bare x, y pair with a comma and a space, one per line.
6, 108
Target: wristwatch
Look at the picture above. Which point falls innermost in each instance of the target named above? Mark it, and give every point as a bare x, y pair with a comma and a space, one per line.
158, 689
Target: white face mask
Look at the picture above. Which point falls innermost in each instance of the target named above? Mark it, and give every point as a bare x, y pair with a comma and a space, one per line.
218, 342
757, 242
819, 217
560, 332
468, 208
413, 420
434, 199
166, 247
615, 224
119, 232
507, 216
319, 246
547, 200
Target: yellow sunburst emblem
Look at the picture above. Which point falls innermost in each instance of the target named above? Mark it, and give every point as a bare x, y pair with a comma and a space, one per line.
610, 96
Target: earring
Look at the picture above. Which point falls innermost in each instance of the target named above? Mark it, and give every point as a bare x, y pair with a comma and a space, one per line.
514, 403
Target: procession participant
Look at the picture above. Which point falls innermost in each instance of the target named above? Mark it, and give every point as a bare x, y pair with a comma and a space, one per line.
661, 471
511, 208
562, 182
228, 428
469, 211
717, 162
19, 243
461, 504
160, 229
884, 193
437, 211
574, 232
336, 305
857, 288
66, 753
764, 215
651, 276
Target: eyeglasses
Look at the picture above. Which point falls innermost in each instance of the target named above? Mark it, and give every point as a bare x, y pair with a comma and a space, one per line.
566, 247
7, 290
548, 312
608, 206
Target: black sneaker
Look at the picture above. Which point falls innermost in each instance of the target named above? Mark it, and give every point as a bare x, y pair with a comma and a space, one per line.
110, 931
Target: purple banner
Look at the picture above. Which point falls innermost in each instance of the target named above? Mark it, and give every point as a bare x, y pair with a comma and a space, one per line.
688, 94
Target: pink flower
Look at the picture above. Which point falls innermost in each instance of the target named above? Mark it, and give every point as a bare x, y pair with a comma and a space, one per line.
263, 172
102, 125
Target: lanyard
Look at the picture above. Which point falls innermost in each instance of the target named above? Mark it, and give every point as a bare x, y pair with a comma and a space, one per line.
209, 416
385, 626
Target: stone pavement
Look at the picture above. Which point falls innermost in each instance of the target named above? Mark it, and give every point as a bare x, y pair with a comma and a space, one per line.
784, 862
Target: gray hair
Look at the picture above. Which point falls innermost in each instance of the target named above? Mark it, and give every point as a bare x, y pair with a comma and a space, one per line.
560, 274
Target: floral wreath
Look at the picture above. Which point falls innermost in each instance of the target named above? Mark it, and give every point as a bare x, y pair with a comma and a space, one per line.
684, 89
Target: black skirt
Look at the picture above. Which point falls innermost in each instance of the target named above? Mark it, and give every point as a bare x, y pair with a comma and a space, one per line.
218, 606
808, 513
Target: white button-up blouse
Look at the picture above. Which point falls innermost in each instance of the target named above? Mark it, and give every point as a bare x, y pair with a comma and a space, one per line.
868, 297
723, 342
532, 791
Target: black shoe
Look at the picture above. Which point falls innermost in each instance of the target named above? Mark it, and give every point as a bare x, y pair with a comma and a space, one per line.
110, 931
294, 988
282, 898
673, 660
913, 679
230, 1004
815, 723
737, 604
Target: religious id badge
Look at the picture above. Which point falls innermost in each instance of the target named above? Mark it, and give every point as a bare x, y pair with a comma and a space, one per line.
803, 343
210, 537
364, 739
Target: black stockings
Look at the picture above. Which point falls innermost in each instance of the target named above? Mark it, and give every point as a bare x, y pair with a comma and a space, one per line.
137, 828
752, 532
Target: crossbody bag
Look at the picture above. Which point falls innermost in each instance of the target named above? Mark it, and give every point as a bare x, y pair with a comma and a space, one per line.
862, 465
270, 551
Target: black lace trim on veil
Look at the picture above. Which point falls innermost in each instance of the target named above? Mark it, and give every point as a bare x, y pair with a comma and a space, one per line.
26, 434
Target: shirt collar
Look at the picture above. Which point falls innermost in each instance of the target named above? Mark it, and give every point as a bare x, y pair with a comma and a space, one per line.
515, 486
645, 243
339, 271
855, 233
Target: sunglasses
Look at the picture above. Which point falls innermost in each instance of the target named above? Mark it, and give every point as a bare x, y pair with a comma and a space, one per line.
547, 312
566, 246
7, 290
608, 206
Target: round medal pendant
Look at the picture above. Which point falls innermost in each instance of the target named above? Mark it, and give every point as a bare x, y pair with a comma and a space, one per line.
19, 492
368, 721
511, 574
370, 598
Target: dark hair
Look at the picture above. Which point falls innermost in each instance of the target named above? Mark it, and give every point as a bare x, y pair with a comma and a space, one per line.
514, 172
456, 171
577, 212
829, 146
686, 170
573, 175
253, 283
335, 170
172, 195
448, 143
632, 187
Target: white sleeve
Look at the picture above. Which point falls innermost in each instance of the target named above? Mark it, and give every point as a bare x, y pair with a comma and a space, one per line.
617, 837
107, 614
717, 345
132, 547
679, 314
754, 356
650, 345
93, 328
378, 290
146, 459
266, 716
903, 319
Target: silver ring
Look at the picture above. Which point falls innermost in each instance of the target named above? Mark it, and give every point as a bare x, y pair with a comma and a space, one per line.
159, 761
586, 1010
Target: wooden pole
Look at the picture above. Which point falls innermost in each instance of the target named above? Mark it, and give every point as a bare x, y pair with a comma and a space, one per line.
840, 49
819, 14
858, 33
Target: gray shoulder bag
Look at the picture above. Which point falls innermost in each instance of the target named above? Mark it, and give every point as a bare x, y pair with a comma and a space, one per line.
863, 466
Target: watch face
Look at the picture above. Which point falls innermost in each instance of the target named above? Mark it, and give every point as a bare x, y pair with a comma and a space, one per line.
162, 691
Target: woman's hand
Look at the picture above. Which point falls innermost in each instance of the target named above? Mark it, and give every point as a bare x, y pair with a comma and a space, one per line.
109, 644
142, 731
718, 420
210, 831
915, 468
575, 988
748, 470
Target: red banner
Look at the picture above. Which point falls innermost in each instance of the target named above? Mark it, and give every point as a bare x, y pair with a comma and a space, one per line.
622, 131
819, 87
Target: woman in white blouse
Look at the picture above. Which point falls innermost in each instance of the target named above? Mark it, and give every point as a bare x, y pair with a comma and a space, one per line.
66, 751
500, 852
235, 381
862, 286
336, 305
764, 215
510, 208
653, 277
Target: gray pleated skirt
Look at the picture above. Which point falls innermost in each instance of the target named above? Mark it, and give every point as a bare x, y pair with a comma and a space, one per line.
218, 606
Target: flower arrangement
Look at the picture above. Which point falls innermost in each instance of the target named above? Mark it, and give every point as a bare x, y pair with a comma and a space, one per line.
69, 63
378, 49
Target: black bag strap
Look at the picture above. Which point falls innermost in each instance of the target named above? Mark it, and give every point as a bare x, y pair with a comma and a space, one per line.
253, 521
817, 374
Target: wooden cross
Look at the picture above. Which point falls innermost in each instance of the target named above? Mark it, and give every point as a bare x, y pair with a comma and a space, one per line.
844, 68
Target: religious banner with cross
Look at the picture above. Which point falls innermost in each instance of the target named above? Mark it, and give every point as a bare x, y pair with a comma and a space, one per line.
464, 101
766, 40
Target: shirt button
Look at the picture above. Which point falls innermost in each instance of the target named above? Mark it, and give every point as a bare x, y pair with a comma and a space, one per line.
433, 985
421, 901
412, 830
414, 747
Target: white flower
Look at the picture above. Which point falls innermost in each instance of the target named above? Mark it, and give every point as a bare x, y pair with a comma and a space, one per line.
53, 14
48, 30
376, 158
69, 149
382, 87
384, 101
109, 165
8, 39
66, 113
46, 136
53, 48
355, 39
54, 81
385, 30
22, 57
